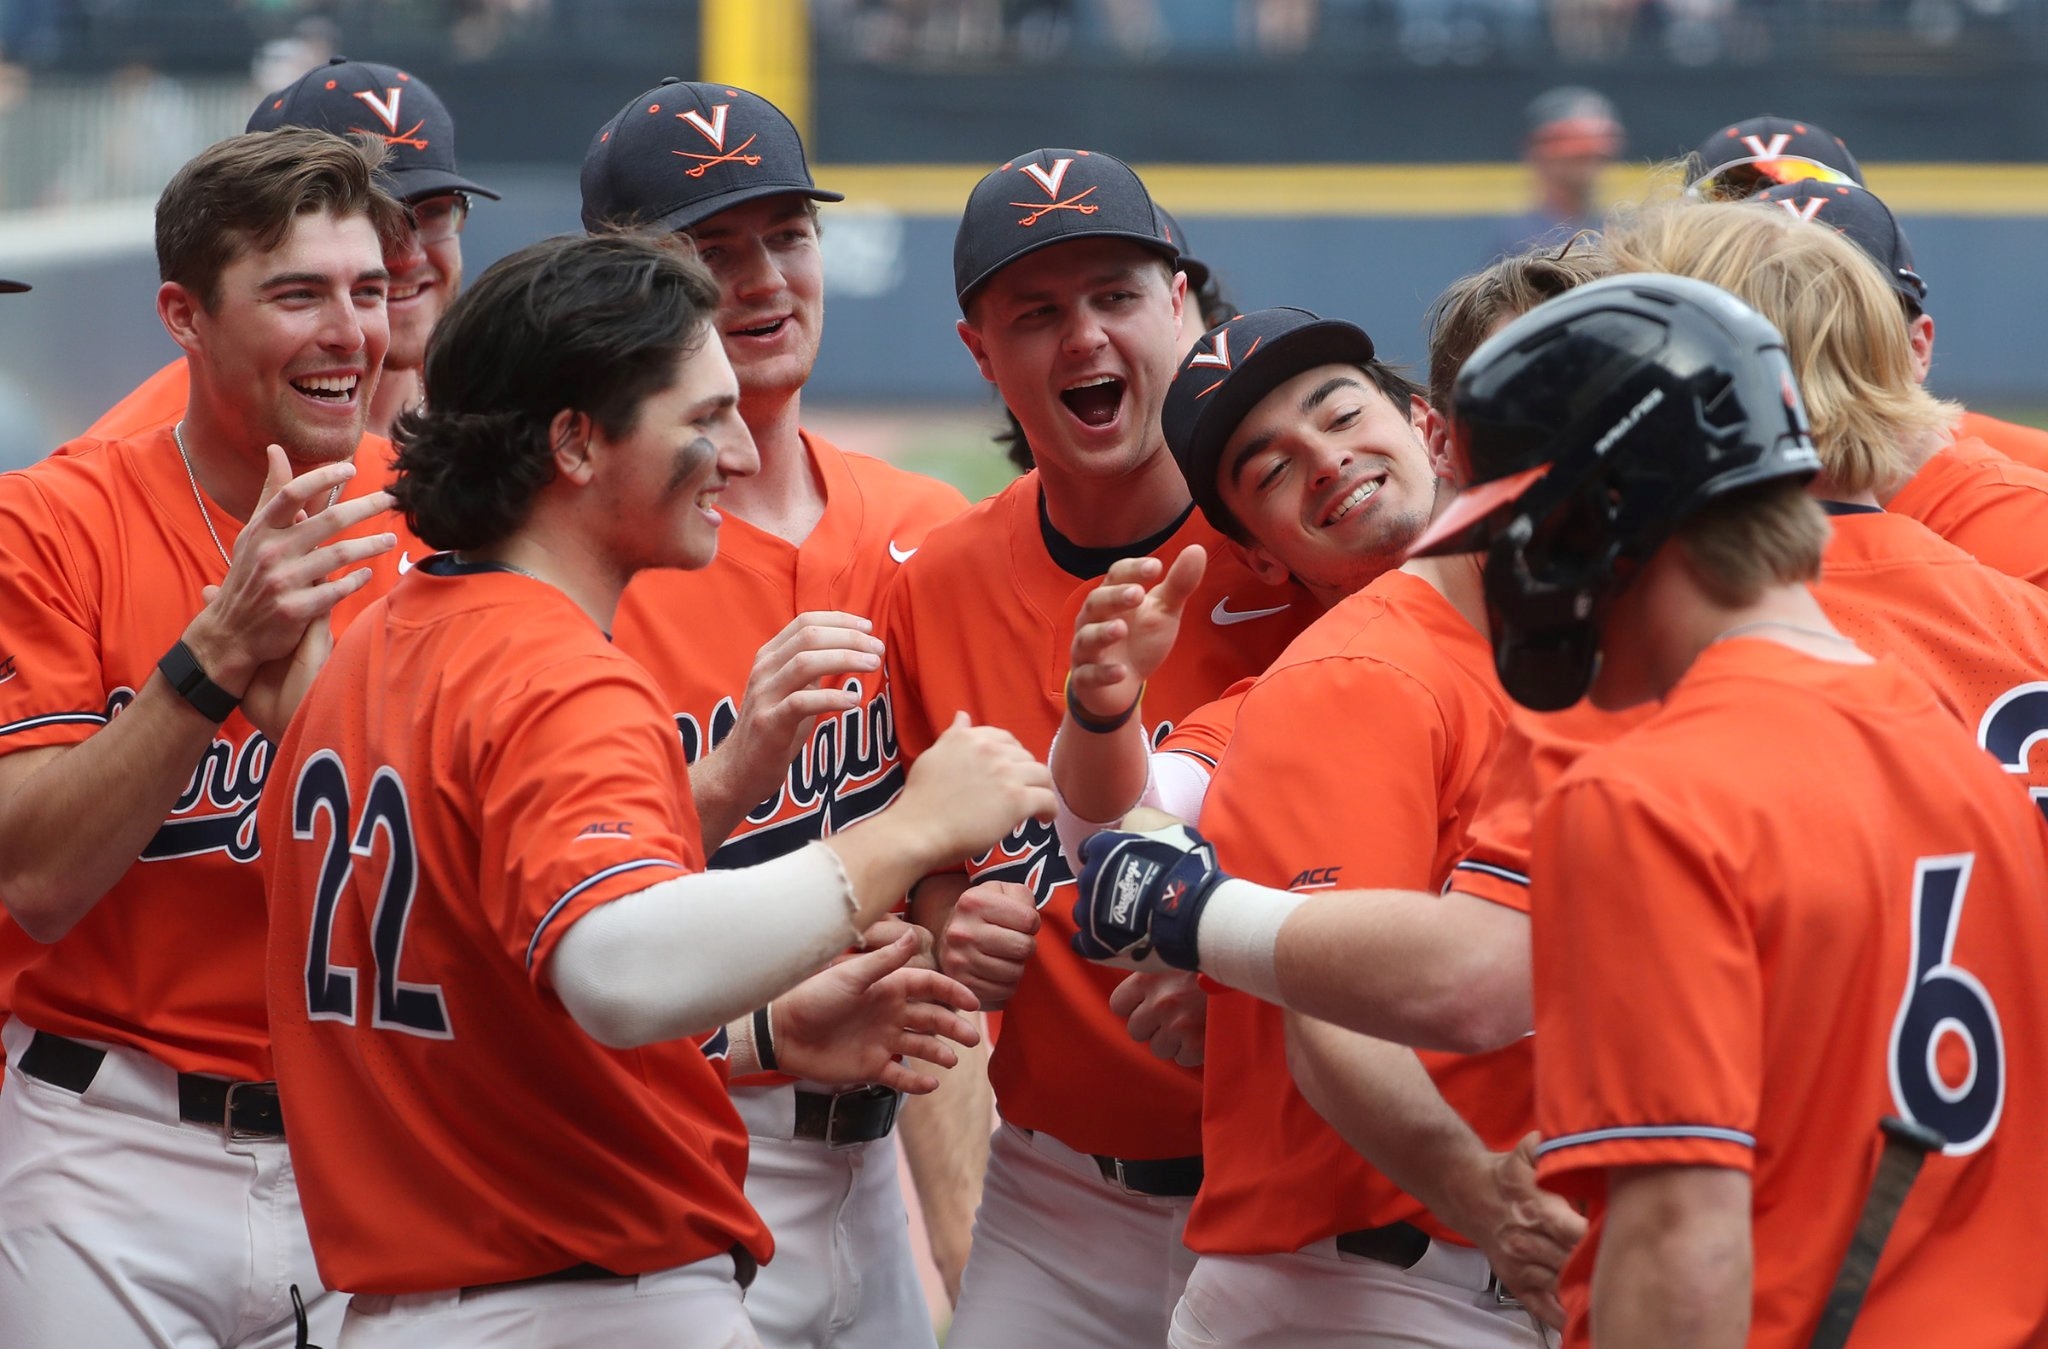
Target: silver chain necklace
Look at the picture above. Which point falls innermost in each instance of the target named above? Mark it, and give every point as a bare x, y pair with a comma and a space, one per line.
205, 515
1744, 629
178, 434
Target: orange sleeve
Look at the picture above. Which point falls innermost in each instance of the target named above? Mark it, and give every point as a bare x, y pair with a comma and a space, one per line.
1362, 811
2023, 444
1205, 732
1649, 992
52, 691
584, 799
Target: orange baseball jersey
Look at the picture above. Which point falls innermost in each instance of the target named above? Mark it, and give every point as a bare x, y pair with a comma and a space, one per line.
1356, 763
1796, 901
982, 621
475, 769
1985, 504
2022, 444
697, 632
155, 403
1977, 636
103, 552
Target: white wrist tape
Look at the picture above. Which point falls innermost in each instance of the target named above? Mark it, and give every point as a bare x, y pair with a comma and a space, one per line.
687, 955
1240, 926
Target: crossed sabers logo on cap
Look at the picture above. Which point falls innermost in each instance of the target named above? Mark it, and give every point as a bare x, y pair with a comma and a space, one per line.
1218, 358
1050, 181
714, 131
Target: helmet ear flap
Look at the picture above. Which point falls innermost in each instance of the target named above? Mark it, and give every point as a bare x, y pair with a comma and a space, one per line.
1546, 629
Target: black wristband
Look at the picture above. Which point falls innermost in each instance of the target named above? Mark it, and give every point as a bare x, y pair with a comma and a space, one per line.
764, 1041
181, 669
1093, 724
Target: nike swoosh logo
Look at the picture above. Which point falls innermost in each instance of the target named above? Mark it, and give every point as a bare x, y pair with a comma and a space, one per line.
1222, 617
900, 555
404, 563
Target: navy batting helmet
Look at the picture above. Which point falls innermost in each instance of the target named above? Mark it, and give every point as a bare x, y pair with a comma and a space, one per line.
1590, 429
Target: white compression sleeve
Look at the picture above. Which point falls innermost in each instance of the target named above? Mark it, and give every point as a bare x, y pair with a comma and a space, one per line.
1174, 783
690, 954
1240, 927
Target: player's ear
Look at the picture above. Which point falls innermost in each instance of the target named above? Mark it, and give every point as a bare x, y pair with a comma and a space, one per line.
975, 349
1261, 563
1435, 434
569, 436
180, 310
1920, 333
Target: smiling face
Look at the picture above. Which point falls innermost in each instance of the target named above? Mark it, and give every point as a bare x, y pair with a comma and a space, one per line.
426, 276
771, 283
290, 350
1081, 340
663, 474
1331, 479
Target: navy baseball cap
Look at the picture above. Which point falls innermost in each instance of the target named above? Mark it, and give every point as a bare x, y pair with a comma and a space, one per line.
1227, 372
13, 287
347, 97
1741, 160
1865, 221
682, 152
1049, 197
1198, 271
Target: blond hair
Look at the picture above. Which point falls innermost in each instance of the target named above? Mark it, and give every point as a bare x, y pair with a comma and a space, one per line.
1843, 325
1742, 544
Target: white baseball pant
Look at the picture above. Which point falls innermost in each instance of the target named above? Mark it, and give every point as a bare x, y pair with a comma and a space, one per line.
120, 1224
1321, 1298
693, 1306
1063, 1257
843, 1276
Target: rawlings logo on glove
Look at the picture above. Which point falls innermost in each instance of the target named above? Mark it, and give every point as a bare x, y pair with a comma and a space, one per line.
1142, 892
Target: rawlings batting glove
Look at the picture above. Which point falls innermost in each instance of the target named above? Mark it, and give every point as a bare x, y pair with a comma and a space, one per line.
1142, 896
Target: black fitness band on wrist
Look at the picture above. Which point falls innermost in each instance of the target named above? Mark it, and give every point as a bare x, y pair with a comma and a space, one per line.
182, 670
1093, 724
764, 1041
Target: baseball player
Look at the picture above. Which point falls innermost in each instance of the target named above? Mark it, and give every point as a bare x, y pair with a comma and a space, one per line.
1296, 445
1725, 1163
425, 260
809, 745
487, 897
1074, 315
134, 727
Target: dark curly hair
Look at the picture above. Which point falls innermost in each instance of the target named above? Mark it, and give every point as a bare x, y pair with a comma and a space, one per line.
597, 324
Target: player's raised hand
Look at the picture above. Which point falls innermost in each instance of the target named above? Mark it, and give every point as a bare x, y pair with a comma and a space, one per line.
1166, 1011
783, 699
989, 938
972, 787
849, 1023
1533, 1233
1127, 627
279, 571
1142, 891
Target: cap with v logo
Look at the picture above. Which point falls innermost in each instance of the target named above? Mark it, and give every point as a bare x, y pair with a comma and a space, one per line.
1749, 156
682, 152
351, 97
1227, 372
1860, 217
1049, 197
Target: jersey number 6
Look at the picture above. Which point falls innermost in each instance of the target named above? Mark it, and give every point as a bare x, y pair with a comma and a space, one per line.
416, 1009
1943, 999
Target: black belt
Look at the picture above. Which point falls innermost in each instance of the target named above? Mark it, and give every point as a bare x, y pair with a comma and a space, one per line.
842, 1118
240, 1109
744, 1267
1401, 1245
1164, 1178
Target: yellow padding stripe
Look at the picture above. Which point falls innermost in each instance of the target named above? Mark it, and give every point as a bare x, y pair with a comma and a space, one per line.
1420, 189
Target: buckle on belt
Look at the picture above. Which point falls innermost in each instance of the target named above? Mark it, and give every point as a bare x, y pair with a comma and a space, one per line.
863, 1096
229, 1132
1502, 1298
